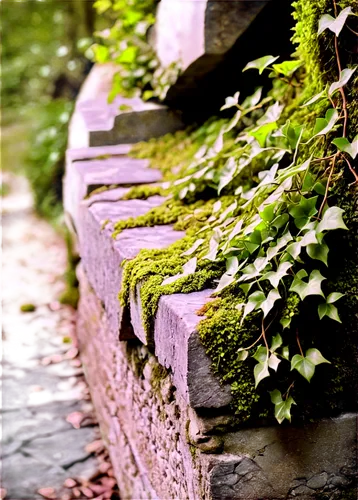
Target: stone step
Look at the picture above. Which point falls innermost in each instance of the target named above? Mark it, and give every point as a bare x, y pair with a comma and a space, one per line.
97, 122
175, 337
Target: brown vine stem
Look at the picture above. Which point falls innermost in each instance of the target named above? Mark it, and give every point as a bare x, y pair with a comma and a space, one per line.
299, 343
341, 90
350, 29
288, 391
328, 185
351, 169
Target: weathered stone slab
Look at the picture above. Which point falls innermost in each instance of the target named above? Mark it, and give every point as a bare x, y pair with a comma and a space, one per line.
82, 177
88, 153
96, 122
178, 347
102, 256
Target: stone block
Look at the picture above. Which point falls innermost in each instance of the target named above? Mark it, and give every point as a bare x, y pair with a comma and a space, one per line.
82, 177
97, 122
102, 256
178, 347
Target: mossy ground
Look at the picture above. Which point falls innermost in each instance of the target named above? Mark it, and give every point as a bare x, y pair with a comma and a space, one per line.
221, 332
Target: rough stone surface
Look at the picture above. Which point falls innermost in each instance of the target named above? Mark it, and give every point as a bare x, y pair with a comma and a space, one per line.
96, 122
102, 256
82, 177
162, 448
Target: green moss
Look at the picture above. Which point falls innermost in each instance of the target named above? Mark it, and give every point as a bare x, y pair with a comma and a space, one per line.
27, 308
143, 192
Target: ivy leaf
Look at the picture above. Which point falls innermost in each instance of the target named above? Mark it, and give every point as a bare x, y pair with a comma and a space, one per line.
318, 251
333, 297
255, 300
261, 354
275, 396
242, 355
334, 24
272, 114
304, 366
232, 124
253, 99
303, 211
268, 304
227, 174
283, 410
329, 310
213, 249
275, 277
231, 101
316, 357
313, 287
287, 68
232, 265
268, 214
325, 125
332, 219
273, 362
276, 342
285, 352
294, 249
188, 268
292, 134
261, 133
193, 248
344, 78
261, 372
225, 280
315, 98
280, 221
345, 146
261, 64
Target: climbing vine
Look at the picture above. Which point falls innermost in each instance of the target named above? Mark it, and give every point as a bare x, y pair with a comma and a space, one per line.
267, 241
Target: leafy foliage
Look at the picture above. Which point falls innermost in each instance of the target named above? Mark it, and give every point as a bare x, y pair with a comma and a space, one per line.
271, 241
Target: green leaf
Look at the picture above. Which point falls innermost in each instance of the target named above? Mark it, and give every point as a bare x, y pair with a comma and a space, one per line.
275, 396
261, 64
329, 310
344, 78
315, 98
280, 221
313, 287
283, 410
292, 134
193, 248
253, 99
285, 352
268, 214
304, 366
318, 251
325, 125
333, 297
273, 362
276, 342
232, 124
334, 24
287, 68
303, 211
225, 280
261, 372
345, 146
261, 134
254, 301
231, 101
316, 357
213, 249
227, 174
128, 56
188, 268
332, 219
261, 354
242, 355
275, 277
268, 304
294, 249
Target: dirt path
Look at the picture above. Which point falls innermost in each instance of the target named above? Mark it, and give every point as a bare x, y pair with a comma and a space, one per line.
49, 432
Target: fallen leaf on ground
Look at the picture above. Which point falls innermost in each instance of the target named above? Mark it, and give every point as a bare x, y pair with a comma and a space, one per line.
75, 419
87, 492
47, 492
95, 446
70, 483
3, 493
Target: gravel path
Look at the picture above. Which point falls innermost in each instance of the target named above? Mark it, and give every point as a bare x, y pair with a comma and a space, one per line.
49, 432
